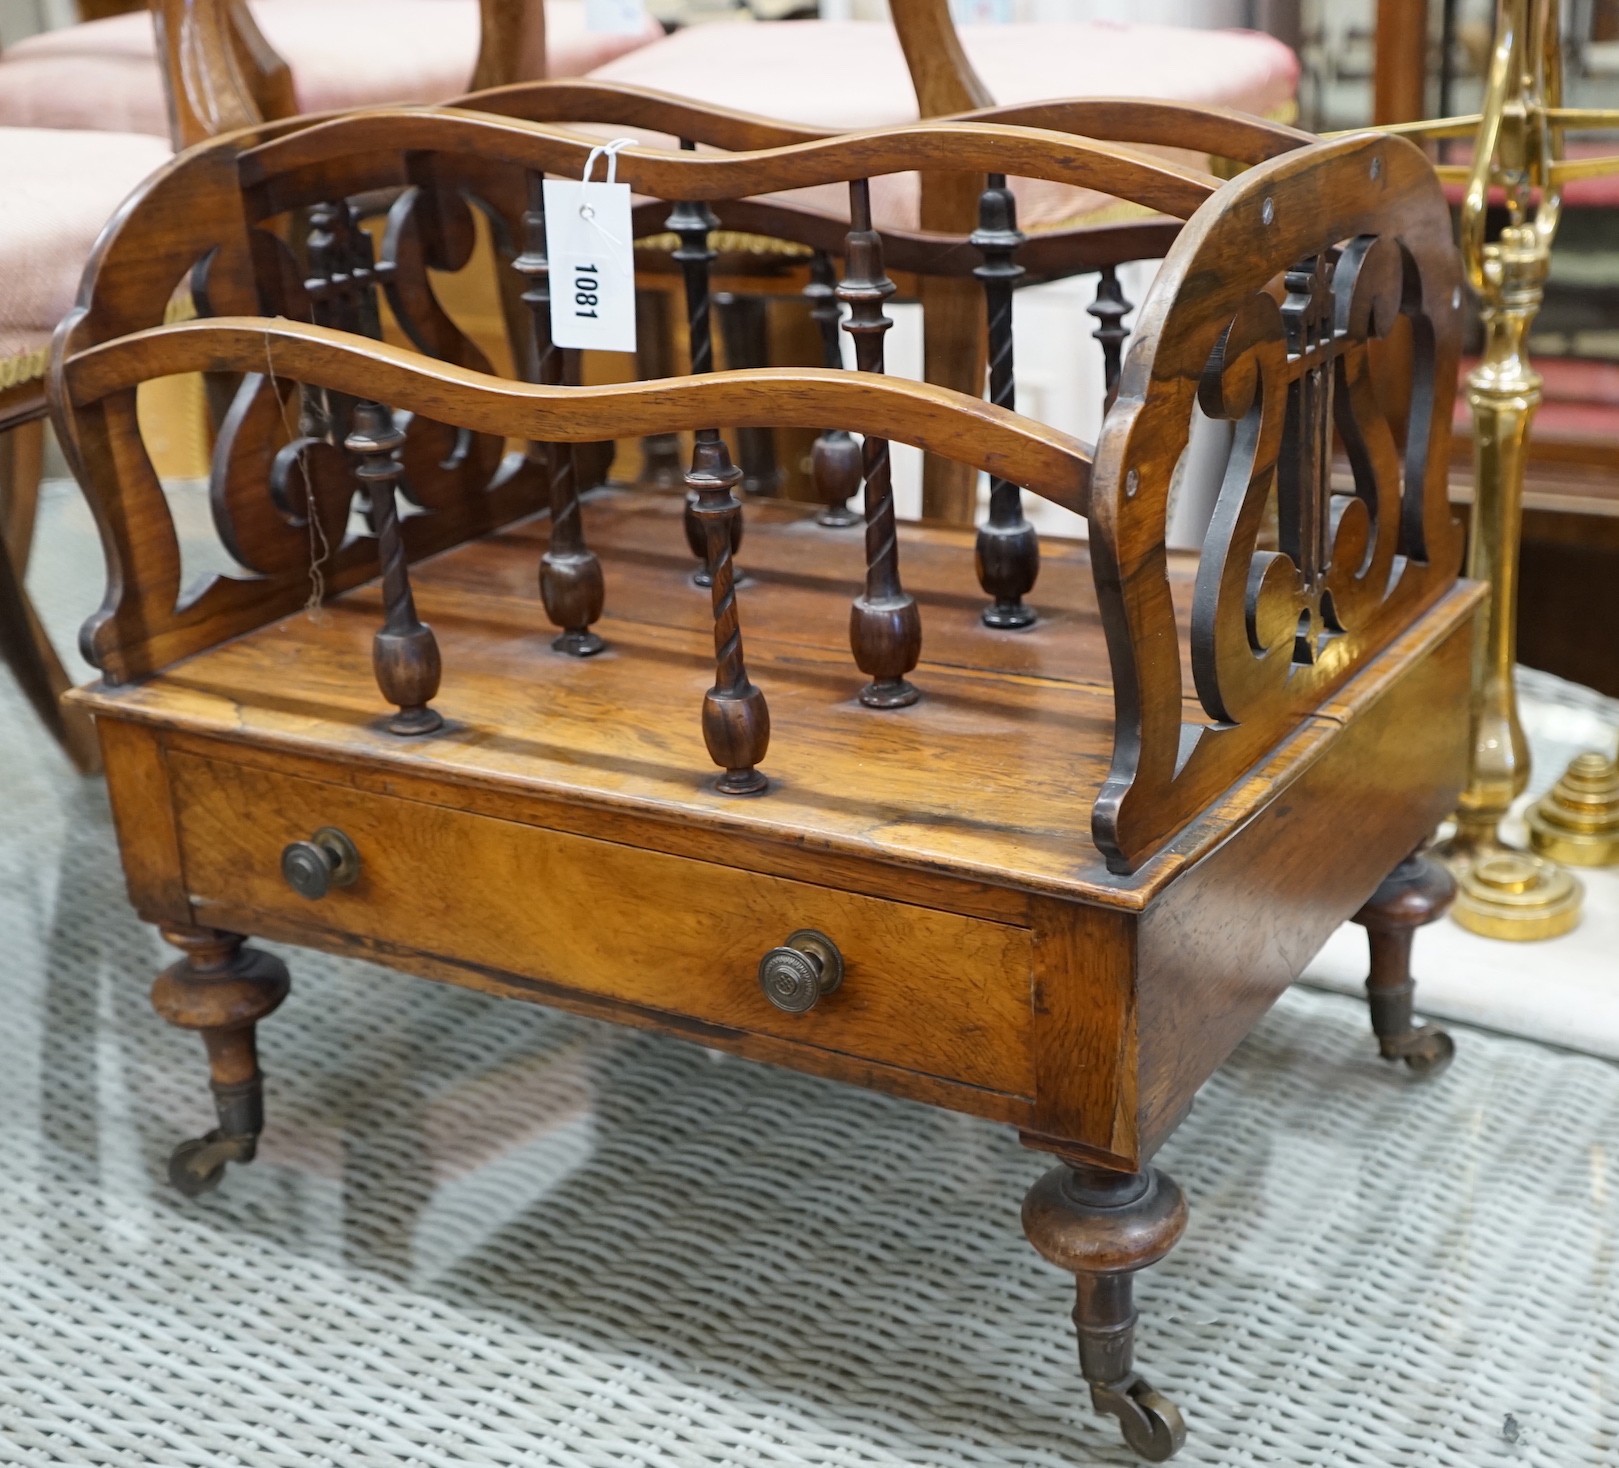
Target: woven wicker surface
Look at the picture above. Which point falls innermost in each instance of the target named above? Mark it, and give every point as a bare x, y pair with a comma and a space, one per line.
482, 1234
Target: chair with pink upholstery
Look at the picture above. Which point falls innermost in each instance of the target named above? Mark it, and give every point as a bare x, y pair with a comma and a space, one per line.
57, 190
293, 56
87, 112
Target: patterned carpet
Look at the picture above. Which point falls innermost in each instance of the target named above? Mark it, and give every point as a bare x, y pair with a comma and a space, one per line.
482, 1234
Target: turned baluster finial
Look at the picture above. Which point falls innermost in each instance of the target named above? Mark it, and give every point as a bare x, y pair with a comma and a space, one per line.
835, 458
1008, 550
571, 585
1110, 308
736, 720
885, 627
404, 652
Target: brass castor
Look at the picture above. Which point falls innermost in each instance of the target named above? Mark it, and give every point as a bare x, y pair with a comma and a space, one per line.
1150, 1423
1102, 1227
1413, 894
198, 1166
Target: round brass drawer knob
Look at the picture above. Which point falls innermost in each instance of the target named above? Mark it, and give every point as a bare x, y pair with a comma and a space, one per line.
313, 867
796, 975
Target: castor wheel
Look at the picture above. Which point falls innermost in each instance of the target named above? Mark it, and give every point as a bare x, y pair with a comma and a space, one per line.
1151, 1423
198, 1166
1426, 1051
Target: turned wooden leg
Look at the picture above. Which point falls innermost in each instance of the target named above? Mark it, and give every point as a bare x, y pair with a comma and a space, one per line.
222, 990
1414, 893
1103, 1226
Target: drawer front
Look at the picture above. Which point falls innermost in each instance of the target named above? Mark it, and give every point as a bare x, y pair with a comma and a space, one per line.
928, 991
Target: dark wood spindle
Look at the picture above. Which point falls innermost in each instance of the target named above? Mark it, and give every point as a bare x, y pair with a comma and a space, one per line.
1008, 550
404, 653
736, 719
341, 286
885, 627
342, 278
1110, 308
692, 223
570, 575
835, 458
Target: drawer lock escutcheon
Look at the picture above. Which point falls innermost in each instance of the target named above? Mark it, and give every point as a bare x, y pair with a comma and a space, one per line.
313, 867
796, 975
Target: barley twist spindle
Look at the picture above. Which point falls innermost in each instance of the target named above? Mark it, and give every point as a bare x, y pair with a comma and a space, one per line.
692, 223
404, 653
885, 627
835, 458
1110, 308
1007, 550
736, 719
571, 585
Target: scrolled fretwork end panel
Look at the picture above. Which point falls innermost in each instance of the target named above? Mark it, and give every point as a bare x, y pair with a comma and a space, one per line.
1262, 317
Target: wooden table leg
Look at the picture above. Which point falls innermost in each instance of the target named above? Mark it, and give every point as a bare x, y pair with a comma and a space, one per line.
222, 990
1413, 894
1102, 1227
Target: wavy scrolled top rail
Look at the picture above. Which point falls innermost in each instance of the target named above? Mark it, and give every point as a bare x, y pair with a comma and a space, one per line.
1141, 121
1047, 461
966, 147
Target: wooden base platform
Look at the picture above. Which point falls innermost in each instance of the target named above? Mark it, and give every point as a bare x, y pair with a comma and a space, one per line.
1023, 720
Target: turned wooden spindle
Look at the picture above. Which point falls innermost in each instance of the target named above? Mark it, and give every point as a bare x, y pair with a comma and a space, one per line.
835, 458
1110, 308
692, 223
404, 653
885, 627
736, 720
1008, 550
340, 282
342, 278
571, 585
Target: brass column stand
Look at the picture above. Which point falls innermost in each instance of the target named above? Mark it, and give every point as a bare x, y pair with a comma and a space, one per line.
1518, 154
1501, 892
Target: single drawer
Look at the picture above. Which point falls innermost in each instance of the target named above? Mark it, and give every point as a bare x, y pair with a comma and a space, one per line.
929, 991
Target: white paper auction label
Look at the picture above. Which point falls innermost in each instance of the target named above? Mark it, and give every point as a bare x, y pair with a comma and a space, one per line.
592, 259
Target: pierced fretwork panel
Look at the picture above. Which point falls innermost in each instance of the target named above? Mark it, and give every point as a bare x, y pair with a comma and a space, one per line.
281, 489
1290, 376
1265, 315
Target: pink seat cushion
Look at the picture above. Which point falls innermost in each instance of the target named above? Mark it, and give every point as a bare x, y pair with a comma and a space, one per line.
847, 75
343, 53
58, 189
